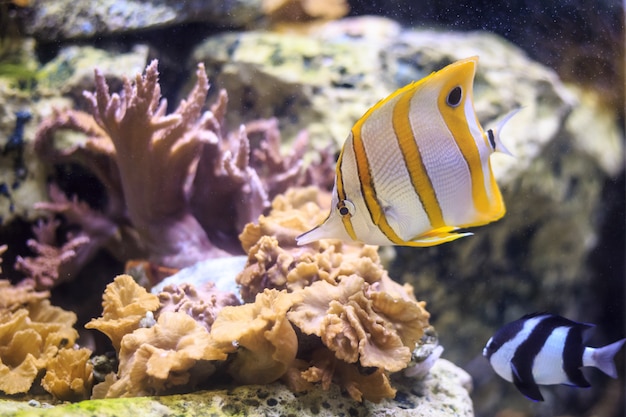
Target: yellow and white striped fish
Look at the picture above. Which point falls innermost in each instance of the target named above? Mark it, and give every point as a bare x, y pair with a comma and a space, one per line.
415, 168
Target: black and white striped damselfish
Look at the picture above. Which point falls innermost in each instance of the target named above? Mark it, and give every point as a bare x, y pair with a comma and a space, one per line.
415, 168
546, 349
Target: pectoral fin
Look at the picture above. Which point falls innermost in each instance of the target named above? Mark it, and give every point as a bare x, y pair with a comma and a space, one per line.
527, 387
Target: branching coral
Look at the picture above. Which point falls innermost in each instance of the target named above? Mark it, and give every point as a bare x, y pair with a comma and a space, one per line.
108, 226
53, 264
152, 145
184, 185
125, 305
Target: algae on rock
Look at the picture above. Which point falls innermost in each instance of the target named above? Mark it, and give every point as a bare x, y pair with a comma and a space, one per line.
445, 391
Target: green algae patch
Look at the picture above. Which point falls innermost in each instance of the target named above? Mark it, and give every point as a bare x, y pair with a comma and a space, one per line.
443, 390
101, 408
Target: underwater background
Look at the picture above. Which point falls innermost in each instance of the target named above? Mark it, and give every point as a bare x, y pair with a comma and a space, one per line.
297, 75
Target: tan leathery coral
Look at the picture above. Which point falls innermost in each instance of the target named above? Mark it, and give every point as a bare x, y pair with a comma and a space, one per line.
172, 356
22, 294
359, 324
202, 303
29, 337
124, 303
305, 10
345, 299
292, 213
326, 368
20, 352
69, 375
259, 336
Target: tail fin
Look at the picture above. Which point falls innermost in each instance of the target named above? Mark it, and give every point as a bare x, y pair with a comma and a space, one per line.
603, 357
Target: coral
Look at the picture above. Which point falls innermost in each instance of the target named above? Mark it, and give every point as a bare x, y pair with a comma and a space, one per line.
303, 10
161, 148
203, 304
174, 354
32, 334
359, 324
20, 364
125, 304
179, 187
320, 314
13, 297
259, 335
337, 293
291, 215
168, 355
69, 375
53, 264
374, 386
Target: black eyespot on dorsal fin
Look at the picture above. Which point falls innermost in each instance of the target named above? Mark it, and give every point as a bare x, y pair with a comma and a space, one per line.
492, 139
454, 96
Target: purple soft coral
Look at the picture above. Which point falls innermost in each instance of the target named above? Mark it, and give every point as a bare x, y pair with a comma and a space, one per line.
183, 184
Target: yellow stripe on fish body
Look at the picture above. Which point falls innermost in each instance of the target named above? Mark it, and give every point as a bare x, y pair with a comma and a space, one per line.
415, 168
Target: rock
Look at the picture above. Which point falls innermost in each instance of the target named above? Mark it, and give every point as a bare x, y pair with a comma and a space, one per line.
221, 271
59, 85
445, 391
322, 83
22, 178
72, 71
65, 19
585, 43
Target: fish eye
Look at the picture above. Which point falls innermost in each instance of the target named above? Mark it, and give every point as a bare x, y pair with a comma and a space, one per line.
454, 96
345, 208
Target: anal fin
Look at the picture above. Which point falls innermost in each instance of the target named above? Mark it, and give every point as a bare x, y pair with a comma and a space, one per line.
437, 236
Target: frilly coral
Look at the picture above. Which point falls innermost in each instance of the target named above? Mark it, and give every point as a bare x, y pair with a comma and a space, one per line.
124, 303
202, 303
291, 215
304, 10
175, 353
69, 375
374, 386
32, 332
20, 352
344, 297
262, 340
359, 324
13, 297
